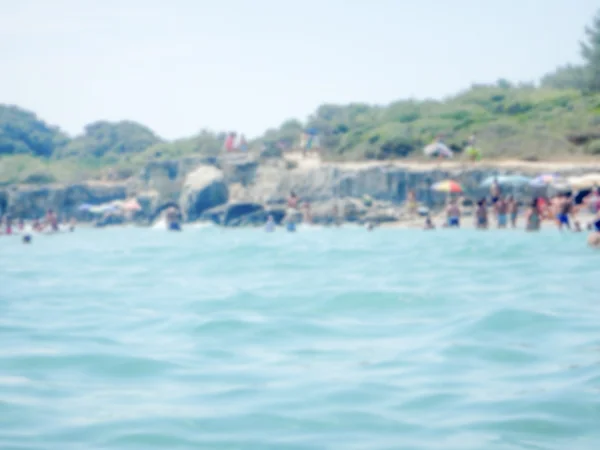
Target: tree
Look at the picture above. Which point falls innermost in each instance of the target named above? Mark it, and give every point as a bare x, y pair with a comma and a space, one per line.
566, 77
21, 132
590, 50
105, 138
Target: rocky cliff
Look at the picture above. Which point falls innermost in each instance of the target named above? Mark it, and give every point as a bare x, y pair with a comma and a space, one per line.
31, 202
262, 184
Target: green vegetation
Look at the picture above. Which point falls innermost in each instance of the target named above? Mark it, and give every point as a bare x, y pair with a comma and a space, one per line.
558, 118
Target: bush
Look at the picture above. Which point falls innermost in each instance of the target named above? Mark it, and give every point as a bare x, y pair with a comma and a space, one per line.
593, 148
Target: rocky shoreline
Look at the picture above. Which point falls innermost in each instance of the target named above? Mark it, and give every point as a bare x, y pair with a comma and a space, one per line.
241, 189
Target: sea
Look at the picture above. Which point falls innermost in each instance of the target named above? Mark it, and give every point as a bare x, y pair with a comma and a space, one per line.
327, 338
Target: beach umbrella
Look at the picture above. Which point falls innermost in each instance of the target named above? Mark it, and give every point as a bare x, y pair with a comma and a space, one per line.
513, 181
438, 149
545, 180
449, 186
584, 182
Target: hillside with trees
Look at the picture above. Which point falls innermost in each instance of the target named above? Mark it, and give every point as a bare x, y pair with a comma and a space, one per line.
555, 118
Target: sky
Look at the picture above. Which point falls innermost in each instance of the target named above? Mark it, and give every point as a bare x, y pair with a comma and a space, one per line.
180, 66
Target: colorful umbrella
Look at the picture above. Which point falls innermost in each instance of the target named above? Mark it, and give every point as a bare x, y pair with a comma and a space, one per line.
449, 186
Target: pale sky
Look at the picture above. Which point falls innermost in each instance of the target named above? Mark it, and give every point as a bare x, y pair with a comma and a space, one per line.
178, 66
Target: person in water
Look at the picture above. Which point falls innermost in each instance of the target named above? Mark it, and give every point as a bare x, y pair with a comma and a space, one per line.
27, 239
172, 217
9, 225
593, 200
453, 214
36, 225
429, 225
501, 208
594, 236
270, 225
52, 220
513, 210
564, 208
481, 215
533, 217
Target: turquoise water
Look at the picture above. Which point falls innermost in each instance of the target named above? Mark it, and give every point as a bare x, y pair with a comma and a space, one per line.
323, 339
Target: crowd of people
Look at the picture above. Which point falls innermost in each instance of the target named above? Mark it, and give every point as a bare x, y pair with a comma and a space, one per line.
561, 210
50, 223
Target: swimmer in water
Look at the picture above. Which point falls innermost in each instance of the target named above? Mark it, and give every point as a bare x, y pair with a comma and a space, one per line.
453, 215
501, 208
481, 215
27, 239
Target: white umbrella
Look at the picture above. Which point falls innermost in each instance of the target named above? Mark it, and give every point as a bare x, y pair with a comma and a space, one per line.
438, 149
585, 182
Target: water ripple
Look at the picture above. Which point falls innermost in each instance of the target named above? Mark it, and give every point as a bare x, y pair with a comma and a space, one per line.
234, 339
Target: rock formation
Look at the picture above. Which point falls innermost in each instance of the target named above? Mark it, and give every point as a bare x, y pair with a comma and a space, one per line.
237, 189
203, 189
